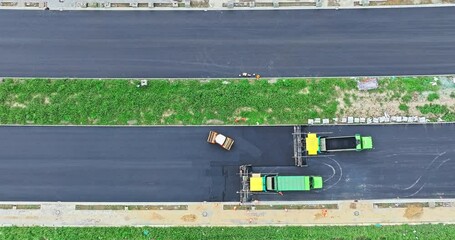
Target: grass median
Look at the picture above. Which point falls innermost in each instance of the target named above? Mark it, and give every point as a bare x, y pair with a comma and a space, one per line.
413, 232
194, 102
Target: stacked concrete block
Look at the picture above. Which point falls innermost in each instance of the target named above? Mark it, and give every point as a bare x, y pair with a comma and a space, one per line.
276, 4
369, 120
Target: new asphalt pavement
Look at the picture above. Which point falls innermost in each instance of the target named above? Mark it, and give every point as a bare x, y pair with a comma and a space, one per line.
181, 44
176, 164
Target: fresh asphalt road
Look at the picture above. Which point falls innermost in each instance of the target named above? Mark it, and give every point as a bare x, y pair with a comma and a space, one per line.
179, 44
408, 161
154, 164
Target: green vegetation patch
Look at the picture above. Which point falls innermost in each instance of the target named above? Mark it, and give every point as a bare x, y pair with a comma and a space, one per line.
400, 205
280, 207
437, 110
158, 207
131, 207
432, 96
404, 232
403, 107
406, 98
28, 206
21, 206
101, 207
199, 102
410, 84
121, 102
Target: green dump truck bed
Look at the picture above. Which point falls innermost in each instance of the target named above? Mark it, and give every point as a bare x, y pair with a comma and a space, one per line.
292, 183
296, 183
345, 143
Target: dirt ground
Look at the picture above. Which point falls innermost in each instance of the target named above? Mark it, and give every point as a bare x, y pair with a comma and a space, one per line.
413, 212
218, 214
376, 103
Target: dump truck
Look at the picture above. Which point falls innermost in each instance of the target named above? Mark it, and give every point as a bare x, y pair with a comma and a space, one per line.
220, 139
318, 144
276, 183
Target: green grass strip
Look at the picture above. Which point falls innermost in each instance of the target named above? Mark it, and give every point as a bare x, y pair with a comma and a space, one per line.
280, 207
131, 207
187, 102
427, 232
28, 206
119, 102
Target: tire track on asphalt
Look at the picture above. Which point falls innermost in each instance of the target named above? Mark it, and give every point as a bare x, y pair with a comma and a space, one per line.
435, 164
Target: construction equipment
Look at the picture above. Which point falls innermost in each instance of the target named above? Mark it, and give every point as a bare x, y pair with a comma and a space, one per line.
308, 145
245, 193
317, 144
220, 139
272, 183
275, 183
248, 75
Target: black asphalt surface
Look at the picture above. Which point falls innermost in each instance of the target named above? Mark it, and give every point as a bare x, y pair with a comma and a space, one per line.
130, 164
153, 164
115, 44
408, 161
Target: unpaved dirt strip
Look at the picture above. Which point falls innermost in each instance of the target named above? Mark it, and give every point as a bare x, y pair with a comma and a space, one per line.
214, 214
